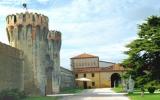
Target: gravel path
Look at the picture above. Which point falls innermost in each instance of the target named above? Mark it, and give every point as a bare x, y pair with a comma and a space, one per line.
97, 94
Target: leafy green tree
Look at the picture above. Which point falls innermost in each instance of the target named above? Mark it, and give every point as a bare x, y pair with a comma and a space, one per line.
143, 59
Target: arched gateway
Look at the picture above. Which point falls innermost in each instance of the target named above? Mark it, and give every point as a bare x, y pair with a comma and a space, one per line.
115, 79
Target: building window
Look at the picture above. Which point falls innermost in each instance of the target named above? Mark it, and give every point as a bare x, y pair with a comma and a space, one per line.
76, 75
76, 64
92, 74
82, 64
87, 64
84, 75
93, 83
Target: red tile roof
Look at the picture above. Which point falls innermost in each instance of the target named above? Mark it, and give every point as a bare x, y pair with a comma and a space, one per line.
84, 55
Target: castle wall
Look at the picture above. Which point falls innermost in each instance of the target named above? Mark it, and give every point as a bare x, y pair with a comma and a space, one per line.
29, 32
11, 68
67, 79
54, 46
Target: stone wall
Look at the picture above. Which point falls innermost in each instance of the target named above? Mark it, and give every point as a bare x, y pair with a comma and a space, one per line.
54, 46
67, 79
29, 32
11, 68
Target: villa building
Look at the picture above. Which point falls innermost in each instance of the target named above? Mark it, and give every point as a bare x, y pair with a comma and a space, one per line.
101, 73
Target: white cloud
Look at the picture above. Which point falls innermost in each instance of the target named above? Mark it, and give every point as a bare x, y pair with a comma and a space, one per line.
43, 1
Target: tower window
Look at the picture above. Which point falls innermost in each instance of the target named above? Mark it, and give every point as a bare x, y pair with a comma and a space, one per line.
92, 74
84, 75
24, 17
15, 19
76, 75
33, 18
93, 83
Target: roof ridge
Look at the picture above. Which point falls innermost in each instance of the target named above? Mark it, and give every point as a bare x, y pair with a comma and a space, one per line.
84, 55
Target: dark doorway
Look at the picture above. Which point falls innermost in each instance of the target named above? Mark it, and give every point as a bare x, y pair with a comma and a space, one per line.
48, 87
85, 85
115, 80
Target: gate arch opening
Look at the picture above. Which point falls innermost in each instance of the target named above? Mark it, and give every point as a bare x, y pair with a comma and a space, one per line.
115, 80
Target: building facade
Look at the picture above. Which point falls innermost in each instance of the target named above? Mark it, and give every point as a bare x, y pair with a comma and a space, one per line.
102, 74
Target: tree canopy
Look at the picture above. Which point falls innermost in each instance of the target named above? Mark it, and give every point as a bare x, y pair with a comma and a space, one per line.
144, 52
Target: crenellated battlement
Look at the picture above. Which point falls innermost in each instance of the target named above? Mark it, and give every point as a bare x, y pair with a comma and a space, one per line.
27, 18
54, 35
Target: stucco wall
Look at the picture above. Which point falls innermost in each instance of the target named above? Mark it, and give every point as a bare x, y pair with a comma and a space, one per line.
101, 79
95, 79
11, 68
105, 78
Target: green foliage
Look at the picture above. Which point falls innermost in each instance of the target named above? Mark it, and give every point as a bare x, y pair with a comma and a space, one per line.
12, 94
142, 89
118, 89
141, 80
153, 83
144, 53
151, 89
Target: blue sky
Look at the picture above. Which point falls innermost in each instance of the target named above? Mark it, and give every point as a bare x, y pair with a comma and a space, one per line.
99, 27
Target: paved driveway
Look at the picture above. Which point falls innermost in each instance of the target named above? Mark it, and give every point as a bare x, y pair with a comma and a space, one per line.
97, 94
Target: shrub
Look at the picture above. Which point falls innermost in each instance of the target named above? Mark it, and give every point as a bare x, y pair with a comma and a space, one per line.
142, 89
157, 85
12, 94
151, 89
140, 81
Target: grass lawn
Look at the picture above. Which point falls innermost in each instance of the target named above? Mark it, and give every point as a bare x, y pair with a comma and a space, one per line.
72, 90
118, 89
137, 94
41, 98
147, 96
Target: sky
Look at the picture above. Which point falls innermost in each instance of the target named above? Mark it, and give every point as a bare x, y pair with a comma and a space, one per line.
98, 27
